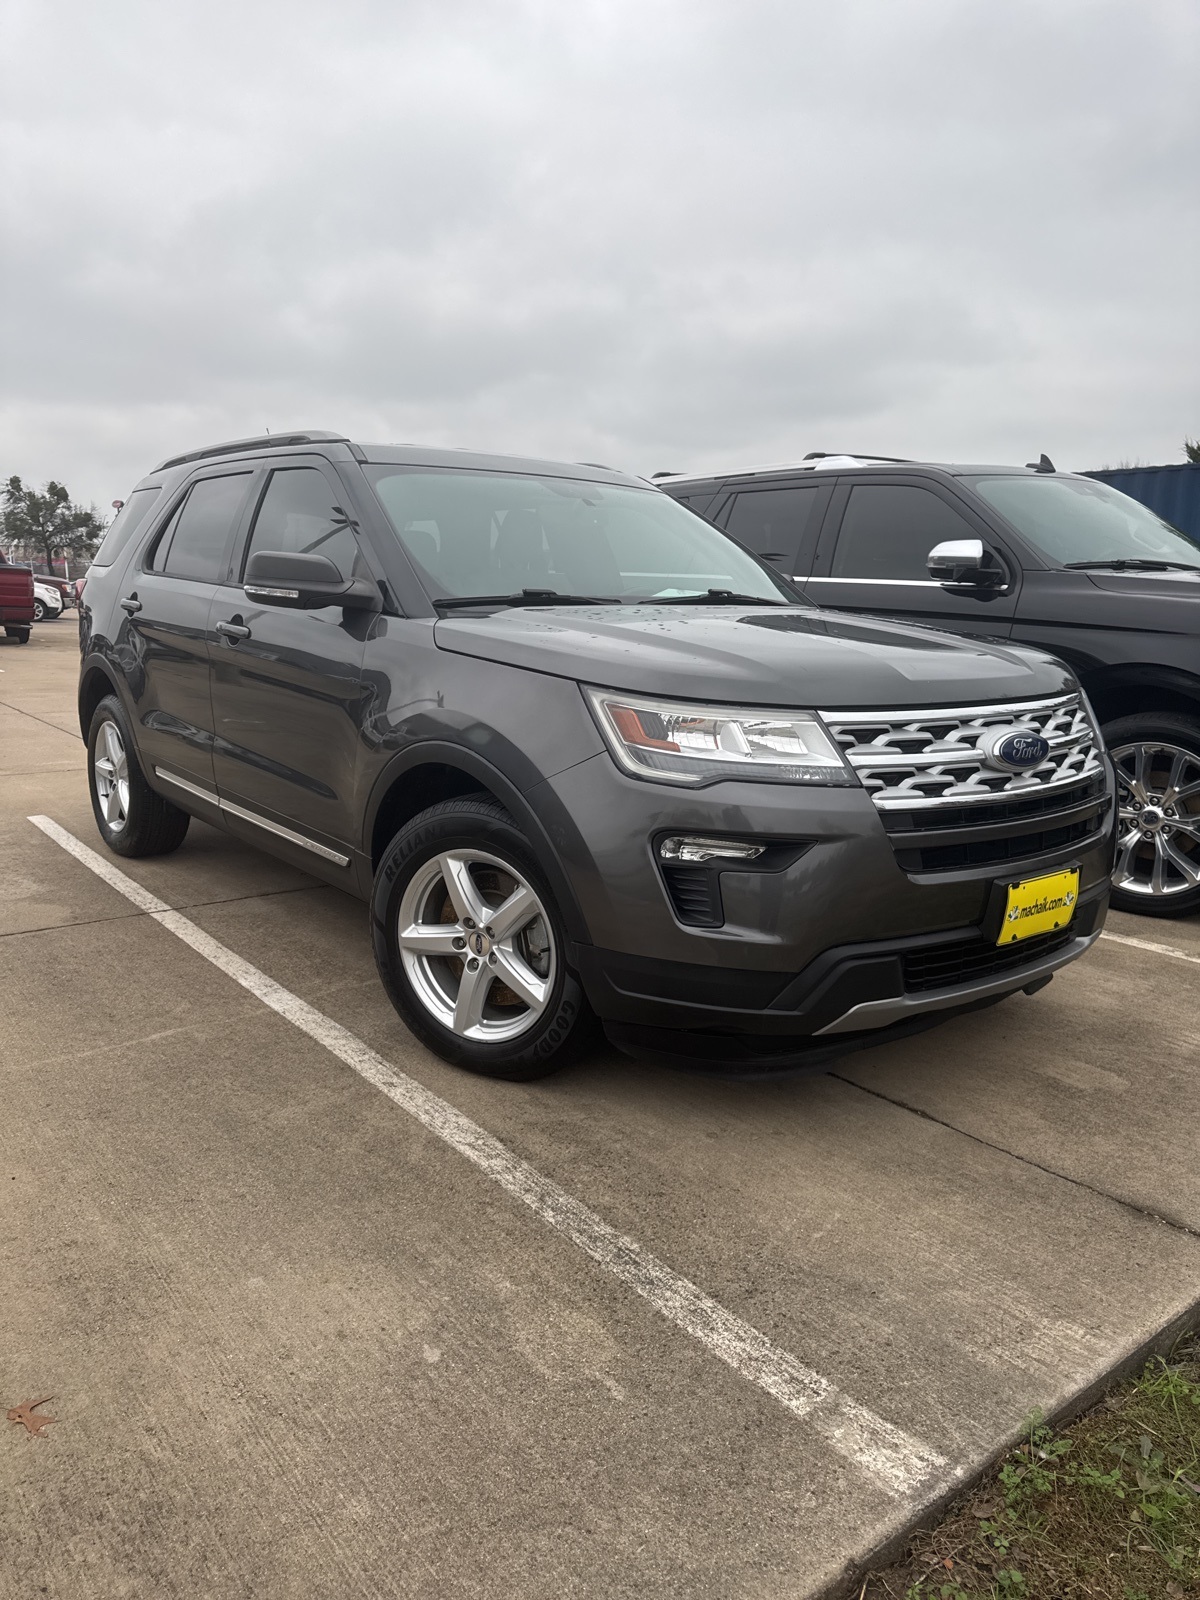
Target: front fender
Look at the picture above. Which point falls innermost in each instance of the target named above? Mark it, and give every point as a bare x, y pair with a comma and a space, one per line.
537, 828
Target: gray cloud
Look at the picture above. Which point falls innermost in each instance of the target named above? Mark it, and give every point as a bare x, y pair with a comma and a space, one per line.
666, 234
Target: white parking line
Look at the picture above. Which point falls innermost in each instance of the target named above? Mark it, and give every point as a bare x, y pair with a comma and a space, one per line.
900, 1464
1148, 944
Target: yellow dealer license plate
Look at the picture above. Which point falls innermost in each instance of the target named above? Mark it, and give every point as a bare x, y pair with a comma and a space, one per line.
1039, 905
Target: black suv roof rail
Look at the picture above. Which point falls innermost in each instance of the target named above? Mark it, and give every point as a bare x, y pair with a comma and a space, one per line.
856, 455
268, 441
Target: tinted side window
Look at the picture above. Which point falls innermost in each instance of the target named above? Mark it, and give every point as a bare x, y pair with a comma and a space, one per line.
889, 530
124, 525
194, 545
773, 521
299, 513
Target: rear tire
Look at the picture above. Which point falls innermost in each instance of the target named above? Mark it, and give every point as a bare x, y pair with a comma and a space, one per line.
1157, 759
132, 819
17, 632
461, 877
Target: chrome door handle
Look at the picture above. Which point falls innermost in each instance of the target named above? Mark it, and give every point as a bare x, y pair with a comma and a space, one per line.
131, 603
233, 630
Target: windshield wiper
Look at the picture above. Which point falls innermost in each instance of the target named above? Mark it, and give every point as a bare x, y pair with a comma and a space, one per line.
527, 597
1133, 564
711, 597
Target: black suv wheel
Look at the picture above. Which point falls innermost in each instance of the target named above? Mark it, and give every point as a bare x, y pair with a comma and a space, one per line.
133, 820
1157, 759
470, 946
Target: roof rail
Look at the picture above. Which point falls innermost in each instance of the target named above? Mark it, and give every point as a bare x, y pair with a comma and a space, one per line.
857, 455
267, 441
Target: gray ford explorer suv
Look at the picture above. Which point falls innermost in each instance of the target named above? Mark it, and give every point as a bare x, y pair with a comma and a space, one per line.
585, 756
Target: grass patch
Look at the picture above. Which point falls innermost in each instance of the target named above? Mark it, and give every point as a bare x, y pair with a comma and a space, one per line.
1106, 1509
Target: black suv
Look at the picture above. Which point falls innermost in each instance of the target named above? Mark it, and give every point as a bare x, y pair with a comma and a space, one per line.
585, 756
1027, 555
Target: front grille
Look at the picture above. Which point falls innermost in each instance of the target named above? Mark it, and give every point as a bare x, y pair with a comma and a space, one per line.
929, 760
979, 815
943, 966
995, 852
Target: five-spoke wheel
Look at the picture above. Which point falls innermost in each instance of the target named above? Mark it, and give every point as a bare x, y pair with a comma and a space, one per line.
133, 819
475, 942
110, 767
470, 944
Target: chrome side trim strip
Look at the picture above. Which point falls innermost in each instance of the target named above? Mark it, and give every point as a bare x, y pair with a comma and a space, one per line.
879, 1013
286, 833
183, 783
321, 850
889, 583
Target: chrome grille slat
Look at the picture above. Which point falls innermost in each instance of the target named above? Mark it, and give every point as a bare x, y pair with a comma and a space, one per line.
924, 760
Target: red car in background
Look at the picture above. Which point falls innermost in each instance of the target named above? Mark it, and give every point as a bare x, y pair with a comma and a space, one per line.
16, 600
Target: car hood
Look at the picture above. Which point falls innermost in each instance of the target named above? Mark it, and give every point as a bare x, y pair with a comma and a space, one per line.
761, 655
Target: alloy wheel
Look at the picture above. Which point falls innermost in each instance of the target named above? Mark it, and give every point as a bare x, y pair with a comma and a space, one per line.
1158, 802
110, 767
476, 945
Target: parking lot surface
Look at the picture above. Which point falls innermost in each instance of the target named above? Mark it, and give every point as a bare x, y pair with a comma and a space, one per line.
306, 1336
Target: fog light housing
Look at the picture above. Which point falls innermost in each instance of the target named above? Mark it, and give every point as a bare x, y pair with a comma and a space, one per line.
696, 848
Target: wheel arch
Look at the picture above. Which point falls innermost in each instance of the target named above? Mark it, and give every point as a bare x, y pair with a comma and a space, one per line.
95, 681
419, 778
1125, 691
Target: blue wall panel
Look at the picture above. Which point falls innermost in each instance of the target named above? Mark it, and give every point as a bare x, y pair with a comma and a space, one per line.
1174, 492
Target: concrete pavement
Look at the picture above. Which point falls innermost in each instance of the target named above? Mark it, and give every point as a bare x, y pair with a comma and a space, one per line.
299, 1346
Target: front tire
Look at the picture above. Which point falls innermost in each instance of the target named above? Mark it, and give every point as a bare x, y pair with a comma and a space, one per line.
470, 944
132, 819
39, 611
1157, 760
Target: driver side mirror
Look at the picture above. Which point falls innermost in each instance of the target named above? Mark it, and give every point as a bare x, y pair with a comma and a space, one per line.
966, 565
305, 582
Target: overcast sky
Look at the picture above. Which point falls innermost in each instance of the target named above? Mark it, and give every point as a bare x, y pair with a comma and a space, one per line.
662, 234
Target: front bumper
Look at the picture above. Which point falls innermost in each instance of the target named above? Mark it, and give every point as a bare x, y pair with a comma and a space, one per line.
836, 944
849, 997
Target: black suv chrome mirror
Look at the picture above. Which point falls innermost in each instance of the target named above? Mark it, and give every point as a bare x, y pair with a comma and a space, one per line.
965, 564
304, 582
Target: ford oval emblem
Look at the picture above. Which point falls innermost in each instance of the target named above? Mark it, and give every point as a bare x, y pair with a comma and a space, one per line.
1016, 749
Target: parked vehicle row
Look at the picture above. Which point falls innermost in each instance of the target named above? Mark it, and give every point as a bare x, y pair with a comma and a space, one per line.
1027, 556
589, 759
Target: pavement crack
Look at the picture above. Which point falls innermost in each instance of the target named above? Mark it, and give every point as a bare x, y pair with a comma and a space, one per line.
33, 716
1052, 1172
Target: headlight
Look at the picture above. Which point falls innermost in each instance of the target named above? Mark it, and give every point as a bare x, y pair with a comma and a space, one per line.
680, 743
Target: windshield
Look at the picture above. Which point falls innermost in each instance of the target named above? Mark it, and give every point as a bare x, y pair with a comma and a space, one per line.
1078, 519
485, 533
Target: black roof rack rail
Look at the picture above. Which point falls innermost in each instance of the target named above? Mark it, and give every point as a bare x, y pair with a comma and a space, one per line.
268, 441
861, 455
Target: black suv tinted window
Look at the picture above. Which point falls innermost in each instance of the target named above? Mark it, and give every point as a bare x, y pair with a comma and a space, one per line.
299, 513
195, 543
889, 530
773, 521
124, 525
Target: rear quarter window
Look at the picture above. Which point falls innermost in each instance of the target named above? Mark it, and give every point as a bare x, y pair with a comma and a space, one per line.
125, 524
